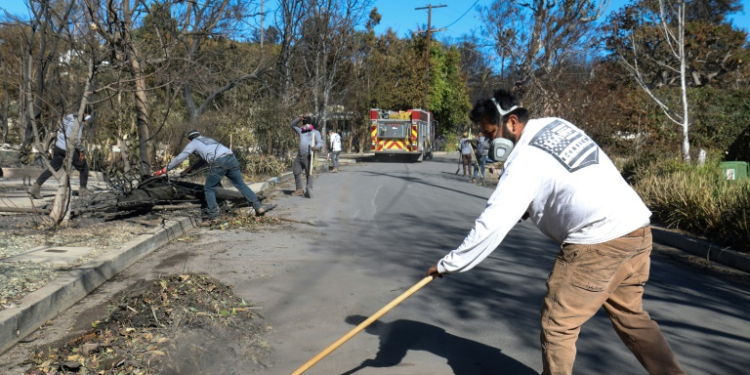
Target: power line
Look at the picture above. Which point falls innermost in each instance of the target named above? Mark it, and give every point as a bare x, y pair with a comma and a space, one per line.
429, 8
465, 13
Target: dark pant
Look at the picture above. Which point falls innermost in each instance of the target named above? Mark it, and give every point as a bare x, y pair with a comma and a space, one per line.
229, 167
58, 157
302, 163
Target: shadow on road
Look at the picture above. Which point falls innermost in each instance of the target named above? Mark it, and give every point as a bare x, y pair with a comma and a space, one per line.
422, 214
421, 181
465, 357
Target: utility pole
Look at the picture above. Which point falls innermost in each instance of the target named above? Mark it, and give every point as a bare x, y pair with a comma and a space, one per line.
262, 30
429, 31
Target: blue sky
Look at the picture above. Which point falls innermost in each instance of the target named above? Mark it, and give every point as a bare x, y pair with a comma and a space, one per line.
459, 14
402, 18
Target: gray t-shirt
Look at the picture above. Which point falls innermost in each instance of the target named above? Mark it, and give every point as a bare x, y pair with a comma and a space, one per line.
482, 146
208, 149
464, 146
305, 139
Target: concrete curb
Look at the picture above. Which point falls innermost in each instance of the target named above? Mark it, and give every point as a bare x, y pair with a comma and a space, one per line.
34, 172
286, 176
66, 290
704, 249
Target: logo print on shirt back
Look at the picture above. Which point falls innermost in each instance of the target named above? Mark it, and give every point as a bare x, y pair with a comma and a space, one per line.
207, 141
573, 149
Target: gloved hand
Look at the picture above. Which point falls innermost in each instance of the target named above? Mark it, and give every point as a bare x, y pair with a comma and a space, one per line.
160, 172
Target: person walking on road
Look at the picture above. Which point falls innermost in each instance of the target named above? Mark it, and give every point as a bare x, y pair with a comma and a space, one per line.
65, 134
302, 161
335, 140
464, 147
222, 162
481, 153
561, 180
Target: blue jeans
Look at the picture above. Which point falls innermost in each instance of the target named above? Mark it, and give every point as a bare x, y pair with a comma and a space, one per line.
481, 162
335, 158
229, 167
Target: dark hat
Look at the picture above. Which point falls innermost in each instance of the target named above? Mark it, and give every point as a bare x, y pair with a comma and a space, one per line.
193, 134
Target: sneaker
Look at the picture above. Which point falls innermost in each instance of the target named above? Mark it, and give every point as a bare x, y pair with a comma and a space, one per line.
298, 193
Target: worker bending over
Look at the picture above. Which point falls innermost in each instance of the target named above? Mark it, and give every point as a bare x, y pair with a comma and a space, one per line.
222, 162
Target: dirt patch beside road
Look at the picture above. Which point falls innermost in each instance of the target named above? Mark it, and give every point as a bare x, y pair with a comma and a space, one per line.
181, 324
21, 233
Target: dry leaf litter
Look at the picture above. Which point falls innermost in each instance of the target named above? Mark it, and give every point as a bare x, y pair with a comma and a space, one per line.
181, 324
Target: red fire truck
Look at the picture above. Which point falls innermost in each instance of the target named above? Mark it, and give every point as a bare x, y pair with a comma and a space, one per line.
409, 134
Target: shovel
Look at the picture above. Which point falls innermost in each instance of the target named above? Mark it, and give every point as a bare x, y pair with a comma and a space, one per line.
363, 325
311, 167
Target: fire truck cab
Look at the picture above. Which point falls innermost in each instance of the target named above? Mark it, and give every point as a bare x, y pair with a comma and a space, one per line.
409, 134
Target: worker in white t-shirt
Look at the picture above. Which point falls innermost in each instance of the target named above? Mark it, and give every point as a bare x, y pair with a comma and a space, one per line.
559, 178
335, 143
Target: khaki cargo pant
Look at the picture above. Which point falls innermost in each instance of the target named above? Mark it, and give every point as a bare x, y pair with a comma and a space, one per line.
609, 275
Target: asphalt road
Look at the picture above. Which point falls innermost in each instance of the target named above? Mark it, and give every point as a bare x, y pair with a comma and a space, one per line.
381, 225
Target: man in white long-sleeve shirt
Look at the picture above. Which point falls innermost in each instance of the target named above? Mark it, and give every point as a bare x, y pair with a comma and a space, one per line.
65, 135
222, 162
335, 140
564, 183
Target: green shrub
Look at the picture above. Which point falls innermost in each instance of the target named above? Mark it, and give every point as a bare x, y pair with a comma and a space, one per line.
451, 142
697, 199
256, 165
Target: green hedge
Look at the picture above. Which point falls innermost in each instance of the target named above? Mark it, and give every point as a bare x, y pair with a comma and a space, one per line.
697, 199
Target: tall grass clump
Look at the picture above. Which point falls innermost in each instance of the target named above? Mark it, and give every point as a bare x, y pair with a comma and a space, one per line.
697, 199
259, 166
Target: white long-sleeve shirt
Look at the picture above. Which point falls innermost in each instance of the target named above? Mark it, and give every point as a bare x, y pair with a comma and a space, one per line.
65, 133
207, 148
306, 138
570, 188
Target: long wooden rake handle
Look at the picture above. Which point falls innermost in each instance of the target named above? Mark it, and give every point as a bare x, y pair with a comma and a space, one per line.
312, 155
363, 325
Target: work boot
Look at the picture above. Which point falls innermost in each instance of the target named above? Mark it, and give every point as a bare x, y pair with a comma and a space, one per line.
209, 222
262, 211
35, 191
84, 192
298, 193
308, 193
